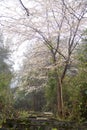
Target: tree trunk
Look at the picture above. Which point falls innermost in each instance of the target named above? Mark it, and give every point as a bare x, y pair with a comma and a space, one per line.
59, 90
59, 98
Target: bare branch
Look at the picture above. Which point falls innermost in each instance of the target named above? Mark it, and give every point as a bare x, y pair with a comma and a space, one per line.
68, 8
27, 11
47, 42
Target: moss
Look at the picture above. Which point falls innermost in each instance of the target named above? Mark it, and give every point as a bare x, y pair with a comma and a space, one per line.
54, 129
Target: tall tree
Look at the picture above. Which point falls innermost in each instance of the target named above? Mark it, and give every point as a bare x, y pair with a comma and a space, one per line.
61, 34
58, 25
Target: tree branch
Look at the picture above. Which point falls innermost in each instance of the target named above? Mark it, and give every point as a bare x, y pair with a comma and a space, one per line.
47, 42
27, 11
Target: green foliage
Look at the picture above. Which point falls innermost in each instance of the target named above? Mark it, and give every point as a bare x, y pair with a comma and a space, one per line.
75, 88
51, 92
29, 101
23, 114
83, 77
82, 55
5, 79
71, 91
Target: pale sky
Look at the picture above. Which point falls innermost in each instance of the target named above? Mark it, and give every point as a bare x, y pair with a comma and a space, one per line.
11, 8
